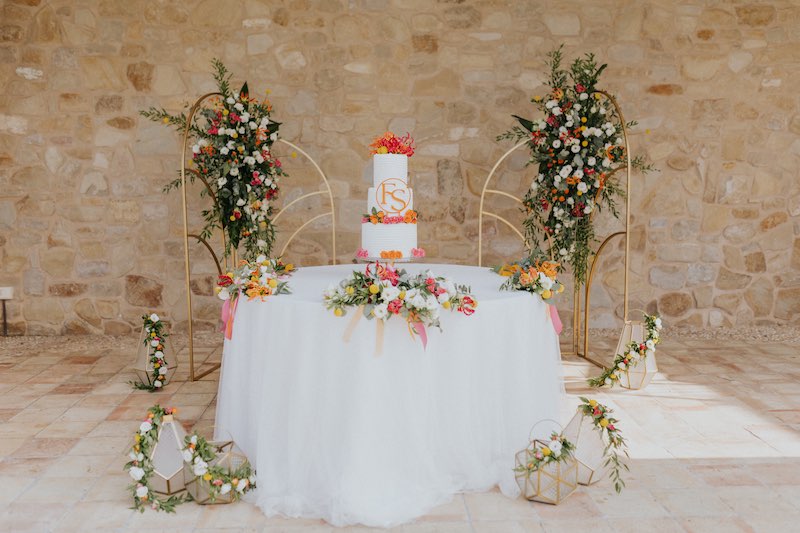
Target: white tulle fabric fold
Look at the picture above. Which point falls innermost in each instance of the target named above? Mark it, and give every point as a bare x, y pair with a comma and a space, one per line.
338, 433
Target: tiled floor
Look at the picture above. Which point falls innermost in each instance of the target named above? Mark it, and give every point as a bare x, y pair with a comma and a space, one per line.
714, 446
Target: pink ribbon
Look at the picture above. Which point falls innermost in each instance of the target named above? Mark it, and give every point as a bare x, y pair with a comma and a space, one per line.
228, 313
555, 319
419, 328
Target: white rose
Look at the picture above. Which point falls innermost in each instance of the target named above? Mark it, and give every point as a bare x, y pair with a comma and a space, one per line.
136, 473
606, 162
154, 318
230, 100
556, 111
607, 381
225, 489
546, 282
563, 251
224, 151
273, 137
243, 483
389, 293
577, 107
551, 104
240, 202
221, 182
442, 298
238, 106
157, 384
145, 427
193, 439
381, 311
196, 149
591, 161
584, 96
223, 293
582, 187
556, 144
200, 467
650, 344
154, 343
621, 365
575, 149
252, 479
187, 456
588, 209
162, 370
245, 116
658, 323
141, 491
234, 171
555, 446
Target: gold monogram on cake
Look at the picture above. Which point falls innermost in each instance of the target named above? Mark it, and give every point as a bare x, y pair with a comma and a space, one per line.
393, 195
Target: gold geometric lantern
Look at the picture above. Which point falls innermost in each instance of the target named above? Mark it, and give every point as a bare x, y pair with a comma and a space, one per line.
640, 375
551, 482
143, 365
590, 444
230, 459
167, 458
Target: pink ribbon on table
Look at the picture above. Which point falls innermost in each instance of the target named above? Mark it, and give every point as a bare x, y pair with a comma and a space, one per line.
555, 319
227, 315
419, 328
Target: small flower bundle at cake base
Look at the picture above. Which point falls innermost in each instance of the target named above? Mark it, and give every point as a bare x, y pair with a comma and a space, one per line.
258, 279
382, 291
599, 444
535, 276
636, 365
152, 368
216, 472
546, 471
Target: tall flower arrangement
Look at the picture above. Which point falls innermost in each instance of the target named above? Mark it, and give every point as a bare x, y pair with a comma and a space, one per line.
578, 146
232, 152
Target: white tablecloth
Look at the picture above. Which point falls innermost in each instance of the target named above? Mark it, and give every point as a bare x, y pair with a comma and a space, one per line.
340, 434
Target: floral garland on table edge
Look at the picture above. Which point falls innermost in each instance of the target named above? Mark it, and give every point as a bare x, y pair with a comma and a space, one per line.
140, 467
384, 292
233, 156
154, 340
537, 277
256, 279
390, 143
557, 449
199, 454
604, 423
634, 353
578, 147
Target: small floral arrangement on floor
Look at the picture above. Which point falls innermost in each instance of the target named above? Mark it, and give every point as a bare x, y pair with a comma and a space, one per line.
200, 455
379, 217
634, 353
538, 277
258, 279
541, 454
390, 143
603, 422
384, 292
232, 154
154, 340
140, 467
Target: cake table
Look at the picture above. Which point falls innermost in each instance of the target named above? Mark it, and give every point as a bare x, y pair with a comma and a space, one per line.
338, 433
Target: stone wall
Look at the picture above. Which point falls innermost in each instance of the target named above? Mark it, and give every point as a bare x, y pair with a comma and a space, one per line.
89, 241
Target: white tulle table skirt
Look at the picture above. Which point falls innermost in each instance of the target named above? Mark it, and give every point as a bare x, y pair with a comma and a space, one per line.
340, 434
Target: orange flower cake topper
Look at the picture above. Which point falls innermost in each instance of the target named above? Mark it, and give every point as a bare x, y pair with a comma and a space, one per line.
390, 143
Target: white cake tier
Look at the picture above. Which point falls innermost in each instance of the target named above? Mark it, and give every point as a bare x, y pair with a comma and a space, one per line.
393, 198
377, 238
385, 166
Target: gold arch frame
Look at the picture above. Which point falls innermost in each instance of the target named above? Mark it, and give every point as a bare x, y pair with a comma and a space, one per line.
194, 376
576, 308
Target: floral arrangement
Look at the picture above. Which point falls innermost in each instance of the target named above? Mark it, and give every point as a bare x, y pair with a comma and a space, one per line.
362, 253
255, 279
634, 353
140, 467
200, 455
379, 217
232, 154
390, 143
601, 418
384, 292
417, 252
391, 254
538, 277
578, 146
557, 449
154, 339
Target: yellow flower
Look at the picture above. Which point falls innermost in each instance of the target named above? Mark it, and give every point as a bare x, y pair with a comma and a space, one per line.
446, 304
294, 155
262, 224
583, 128
593, 403
603, 422
166, 120
235, 135
583, 120
382, 150
273, 283
402, 295
546, 451
225, 112
547, 294
537, 98
137, 437
233, 218
374, 289
560, 289
338, 311
647, 131
207, 477
289, 267
349, 290
585, 144
268, 91
579, 193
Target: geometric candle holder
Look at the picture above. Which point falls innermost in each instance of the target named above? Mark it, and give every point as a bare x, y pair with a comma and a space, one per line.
143, 366
167, 458
590, 445
230, 459
640, 375
551, 482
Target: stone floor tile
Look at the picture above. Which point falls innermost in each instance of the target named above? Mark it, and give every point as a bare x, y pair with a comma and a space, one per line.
586, 525
51, 490
44, 447
638, 524
692, 502
495, 506
97, 516
718, 524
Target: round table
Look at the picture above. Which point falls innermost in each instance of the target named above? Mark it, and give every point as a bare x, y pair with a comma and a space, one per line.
338, 433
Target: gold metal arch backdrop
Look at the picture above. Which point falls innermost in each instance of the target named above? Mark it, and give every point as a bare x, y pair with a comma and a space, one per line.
194, 376
580, 328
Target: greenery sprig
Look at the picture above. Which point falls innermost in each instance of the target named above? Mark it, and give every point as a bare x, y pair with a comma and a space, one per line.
601, 418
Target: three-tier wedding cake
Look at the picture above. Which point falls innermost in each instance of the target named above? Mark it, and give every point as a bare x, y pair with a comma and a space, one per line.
389, 228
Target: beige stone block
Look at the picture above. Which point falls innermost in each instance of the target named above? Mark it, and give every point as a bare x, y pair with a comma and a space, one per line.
167, 81
100, 73
44, 310
57, 261
700, 68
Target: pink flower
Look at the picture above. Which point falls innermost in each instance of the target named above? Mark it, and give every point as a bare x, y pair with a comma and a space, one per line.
395, 306
417, 252
580, 88
362, 253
